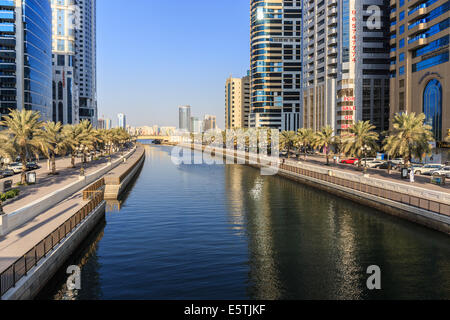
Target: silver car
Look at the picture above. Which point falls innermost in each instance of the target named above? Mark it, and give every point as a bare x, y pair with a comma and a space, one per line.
445, 171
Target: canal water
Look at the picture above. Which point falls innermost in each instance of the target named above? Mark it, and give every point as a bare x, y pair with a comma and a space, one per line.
226, 232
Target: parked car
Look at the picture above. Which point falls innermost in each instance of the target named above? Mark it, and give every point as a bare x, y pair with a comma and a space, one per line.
32, 166
445, 171
385, 165
6, 173
429, 169
350, 161
374, 163
16, 167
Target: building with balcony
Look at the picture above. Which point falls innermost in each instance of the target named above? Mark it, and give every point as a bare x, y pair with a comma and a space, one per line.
86, 58
275, 60
320, 62
209, 123
363, 64
26, 56
65, 107
420, 67
237, 102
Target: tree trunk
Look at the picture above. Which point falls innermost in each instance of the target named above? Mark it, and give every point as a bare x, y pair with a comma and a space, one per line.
23, 157
73, 160
53, 164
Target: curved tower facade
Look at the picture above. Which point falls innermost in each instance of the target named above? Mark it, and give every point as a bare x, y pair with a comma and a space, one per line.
275, 39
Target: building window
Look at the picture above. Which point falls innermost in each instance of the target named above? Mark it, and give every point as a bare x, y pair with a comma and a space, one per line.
432, 107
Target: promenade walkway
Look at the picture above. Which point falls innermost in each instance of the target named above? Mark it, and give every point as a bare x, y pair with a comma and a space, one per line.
47, 184
19, 241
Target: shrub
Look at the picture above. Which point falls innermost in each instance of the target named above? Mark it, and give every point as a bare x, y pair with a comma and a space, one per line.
9, 195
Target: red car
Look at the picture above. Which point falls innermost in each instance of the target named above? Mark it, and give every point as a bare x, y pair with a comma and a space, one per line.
350, 161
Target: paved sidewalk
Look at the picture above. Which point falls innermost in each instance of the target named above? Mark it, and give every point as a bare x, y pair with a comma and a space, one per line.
47, 184
19, 241
420, 181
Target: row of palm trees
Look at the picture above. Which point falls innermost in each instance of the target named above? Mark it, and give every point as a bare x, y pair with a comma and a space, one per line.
409, 138
25, 136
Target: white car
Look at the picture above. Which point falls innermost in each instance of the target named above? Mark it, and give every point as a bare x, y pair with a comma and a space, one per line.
373, 163
15, 167
445, 171
429, 169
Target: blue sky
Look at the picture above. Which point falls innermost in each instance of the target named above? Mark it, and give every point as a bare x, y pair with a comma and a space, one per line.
155, 55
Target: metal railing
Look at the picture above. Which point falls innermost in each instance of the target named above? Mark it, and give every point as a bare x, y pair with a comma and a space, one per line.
20, 268
92, 189
425, 204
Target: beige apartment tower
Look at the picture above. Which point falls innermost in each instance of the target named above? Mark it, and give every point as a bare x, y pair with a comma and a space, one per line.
419, 57
237, 102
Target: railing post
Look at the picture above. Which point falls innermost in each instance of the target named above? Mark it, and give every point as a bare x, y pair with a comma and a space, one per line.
14, 274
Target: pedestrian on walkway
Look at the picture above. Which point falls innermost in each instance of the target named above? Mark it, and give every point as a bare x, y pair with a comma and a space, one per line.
411, 175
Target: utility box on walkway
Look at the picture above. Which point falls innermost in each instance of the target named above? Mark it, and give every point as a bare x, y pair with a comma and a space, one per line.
5, 186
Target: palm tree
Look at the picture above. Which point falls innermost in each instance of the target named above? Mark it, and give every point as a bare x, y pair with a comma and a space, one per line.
54, 142
305, 137
360, 139
23, 130
287, 141
74, 136
409, 137
87, 138
325, 139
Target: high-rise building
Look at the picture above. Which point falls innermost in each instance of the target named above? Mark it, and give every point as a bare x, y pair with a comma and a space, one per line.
209, 123
363, 63
101, 124
122, 120
108, 124
237, 102
25, 56
345, 64
65, 92
196, 125
320, 60
184, 118
86, 59
275, 41
420, 67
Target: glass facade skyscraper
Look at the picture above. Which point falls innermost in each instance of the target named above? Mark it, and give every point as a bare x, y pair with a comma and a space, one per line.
184, 118
25, 56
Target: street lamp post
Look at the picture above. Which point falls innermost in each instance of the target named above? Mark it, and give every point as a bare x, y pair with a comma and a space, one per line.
364, 150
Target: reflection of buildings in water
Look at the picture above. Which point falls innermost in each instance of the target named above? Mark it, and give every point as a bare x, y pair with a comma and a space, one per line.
346, 262
248, 200
235, 198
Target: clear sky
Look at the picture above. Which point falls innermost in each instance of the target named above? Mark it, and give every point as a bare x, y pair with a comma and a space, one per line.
154, 55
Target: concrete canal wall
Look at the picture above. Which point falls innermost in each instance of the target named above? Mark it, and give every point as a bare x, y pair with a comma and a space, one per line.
48, 257
36, 279
424, 206
118, 179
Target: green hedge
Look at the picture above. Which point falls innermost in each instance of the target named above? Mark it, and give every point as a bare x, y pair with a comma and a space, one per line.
9, 195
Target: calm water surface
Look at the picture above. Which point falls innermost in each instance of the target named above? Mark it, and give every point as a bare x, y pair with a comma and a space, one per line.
226, 232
